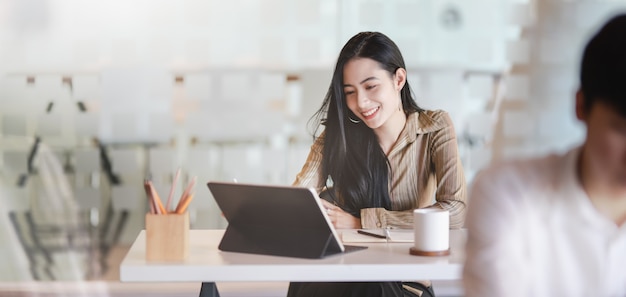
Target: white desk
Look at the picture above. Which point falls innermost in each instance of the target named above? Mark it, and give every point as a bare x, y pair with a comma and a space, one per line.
206, 263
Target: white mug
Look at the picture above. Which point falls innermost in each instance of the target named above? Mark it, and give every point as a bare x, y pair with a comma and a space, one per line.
431, 232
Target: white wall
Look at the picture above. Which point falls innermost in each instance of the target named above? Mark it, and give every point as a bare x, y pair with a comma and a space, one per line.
74, 35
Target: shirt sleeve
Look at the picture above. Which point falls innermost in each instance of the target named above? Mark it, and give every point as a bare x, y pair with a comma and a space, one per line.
381, 218
451, 187
311, 172
494, 260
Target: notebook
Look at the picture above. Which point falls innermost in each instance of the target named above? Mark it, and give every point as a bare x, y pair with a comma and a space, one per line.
276, 220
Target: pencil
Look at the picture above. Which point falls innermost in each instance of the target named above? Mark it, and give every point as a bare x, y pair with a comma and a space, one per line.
146, 188
372, 234
183, 204
169, 198
190, 186
157, 200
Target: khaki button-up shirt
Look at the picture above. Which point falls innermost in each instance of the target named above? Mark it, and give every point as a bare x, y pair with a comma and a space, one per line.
426, 171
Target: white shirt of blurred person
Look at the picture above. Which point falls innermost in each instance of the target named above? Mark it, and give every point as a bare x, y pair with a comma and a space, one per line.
556, 225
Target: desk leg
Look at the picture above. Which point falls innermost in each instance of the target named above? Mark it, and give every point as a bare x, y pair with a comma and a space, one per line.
209, 290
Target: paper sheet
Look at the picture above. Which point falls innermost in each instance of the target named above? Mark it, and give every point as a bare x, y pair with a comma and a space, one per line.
398, 235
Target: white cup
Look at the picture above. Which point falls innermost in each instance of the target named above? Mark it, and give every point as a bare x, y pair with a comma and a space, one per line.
432, 232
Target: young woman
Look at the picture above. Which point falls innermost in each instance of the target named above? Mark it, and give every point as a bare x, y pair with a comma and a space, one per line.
380, 156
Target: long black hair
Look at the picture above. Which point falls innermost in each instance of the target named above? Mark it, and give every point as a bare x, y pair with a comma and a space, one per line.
353, 159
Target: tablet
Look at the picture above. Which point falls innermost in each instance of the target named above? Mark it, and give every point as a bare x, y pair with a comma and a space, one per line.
276, 220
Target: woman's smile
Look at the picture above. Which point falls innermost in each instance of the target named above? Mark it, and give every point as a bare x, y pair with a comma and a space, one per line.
369, 114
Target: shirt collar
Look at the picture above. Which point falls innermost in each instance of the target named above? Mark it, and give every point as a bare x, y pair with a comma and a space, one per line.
582, 203
421, 123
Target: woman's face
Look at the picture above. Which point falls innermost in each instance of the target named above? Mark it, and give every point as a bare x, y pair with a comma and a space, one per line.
372, 94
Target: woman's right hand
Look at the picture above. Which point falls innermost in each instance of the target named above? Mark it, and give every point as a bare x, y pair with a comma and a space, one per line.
340, 218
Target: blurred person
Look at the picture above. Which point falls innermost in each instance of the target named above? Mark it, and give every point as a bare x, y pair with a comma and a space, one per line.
556, 225
380, 155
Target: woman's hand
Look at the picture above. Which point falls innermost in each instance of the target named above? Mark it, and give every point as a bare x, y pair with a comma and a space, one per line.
340, 218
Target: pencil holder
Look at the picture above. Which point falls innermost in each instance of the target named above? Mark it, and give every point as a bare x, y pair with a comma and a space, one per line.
167, 237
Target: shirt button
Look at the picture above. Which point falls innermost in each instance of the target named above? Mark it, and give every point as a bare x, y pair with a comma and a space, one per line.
378, 224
